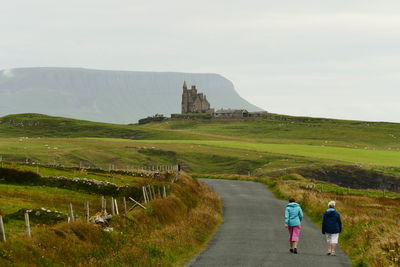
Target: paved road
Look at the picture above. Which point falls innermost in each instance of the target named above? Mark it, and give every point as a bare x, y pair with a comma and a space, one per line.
253, 234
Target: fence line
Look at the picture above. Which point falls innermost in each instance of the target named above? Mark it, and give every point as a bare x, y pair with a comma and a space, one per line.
88, 166
149, 193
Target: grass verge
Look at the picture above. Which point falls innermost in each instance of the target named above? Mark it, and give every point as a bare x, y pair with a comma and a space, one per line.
168, 233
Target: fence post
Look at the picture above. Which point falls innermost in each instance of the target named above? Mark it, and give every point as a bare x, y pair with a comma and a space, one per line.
71, 213
27, 225
154, 192
164, 192
3, 233
103, 205
112, 206
87, 211
150, 195
144, 194
124, 200
116, 206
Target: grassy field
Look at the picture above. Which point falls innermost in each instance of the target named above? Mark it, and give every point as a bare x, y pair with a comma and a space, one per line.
125, 154
15, 196
271, 129
358, 156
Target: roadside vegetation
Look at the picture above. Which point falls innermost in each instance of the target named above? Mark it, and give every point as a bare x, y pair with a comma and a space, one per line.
169, 232
370, 220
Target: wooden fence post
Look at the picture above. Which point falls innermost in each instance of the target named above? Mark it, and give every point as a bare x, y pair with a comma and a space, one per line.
124, 200
148, 197
116, 206
71, 213
144, 194
164, 192
2, 232
112, 206
151, 197
103, 205
27, 225
159, 193
87, 211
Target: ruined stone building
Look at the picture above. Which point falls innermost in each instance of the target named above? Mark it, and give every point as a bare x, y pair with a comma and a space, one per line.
193, 102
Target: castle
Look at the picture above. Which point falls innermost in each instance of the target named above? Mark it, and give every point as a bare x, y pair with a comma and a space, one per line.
193, 102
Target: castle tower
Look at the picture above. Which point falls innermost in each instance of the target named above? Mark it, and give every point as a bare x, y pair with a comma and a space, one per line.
185, 98
193, 101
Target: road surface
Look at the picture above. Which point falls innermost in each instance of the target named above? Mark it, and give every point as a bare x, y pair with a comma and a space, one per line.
253, 232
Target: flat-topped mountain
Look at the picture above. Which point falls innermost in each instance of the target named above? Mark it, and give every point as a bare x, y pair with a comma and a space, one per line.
108, 96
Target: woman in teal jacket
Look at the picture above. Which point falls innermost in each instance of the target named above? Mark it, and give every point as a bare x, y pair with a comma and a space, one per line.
293, 218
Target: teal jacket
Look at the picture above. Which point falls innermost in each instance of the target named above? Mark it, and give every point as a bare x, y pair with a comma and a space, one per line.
293, 214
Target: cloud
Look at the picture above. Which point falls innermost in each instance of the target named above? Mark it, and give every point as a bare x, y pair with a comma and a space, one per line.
275, 52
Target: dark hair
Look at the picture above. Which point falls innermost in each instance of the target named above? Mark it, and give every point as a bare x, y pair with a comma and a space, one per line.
291, 200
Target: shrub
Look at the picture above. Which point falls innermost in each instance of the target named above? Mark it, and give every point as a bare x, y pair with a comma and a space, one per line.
19, 177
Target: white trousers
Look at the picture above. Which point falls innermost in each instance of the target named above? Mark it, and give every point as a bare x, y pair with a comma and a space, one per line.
332, 238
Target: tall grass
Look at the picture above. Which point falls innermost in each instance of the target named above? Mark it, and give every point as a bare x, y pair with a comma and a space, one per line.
370, 223
168, 233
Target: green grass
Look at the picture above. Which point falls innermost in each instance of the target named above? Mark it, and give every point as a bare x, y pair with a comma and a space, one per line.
271, 129
16, 197
123, 154
359, 156
115, 178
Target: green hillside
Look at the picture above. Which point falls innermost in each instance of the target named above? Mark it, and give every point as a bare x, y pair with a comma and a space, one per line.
271, 143
271, 129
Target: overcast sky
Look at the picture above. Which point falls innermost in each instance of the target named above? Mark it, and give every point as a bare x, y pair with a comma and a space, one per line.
337, 59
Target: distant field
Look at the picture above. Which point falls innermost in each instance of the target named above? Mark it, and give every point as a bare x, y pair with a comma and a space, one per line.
125, 154
274, 142
359, 156
272, 129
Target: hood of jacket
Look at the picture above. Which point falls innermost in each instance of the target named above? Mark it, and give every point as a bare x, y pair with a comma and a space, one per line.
330, 212
293, 205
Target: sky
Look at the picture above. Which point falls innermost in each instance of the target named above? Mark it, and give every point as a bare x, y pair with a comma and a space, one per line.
337, 59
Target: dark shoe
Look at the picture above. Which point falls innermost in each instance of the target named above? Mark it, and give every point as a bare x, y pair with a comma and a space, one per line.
291, 250
295, 250
328, 253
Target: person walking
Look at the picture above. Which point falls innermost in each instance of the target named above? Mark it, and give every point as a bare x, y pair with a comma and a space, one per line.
331, 227
293, 218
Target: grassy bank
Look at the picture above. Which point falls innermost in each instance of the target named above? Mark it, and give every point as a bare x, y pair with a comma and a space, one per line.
370, 222
168, 233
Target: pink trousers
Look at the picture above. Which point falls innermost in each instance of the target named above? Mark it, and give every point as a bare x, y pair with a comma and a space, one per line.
294, 233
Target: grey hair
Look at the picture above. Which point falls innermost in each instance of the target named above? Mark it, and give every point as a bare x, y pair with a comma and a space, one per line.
331, 204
